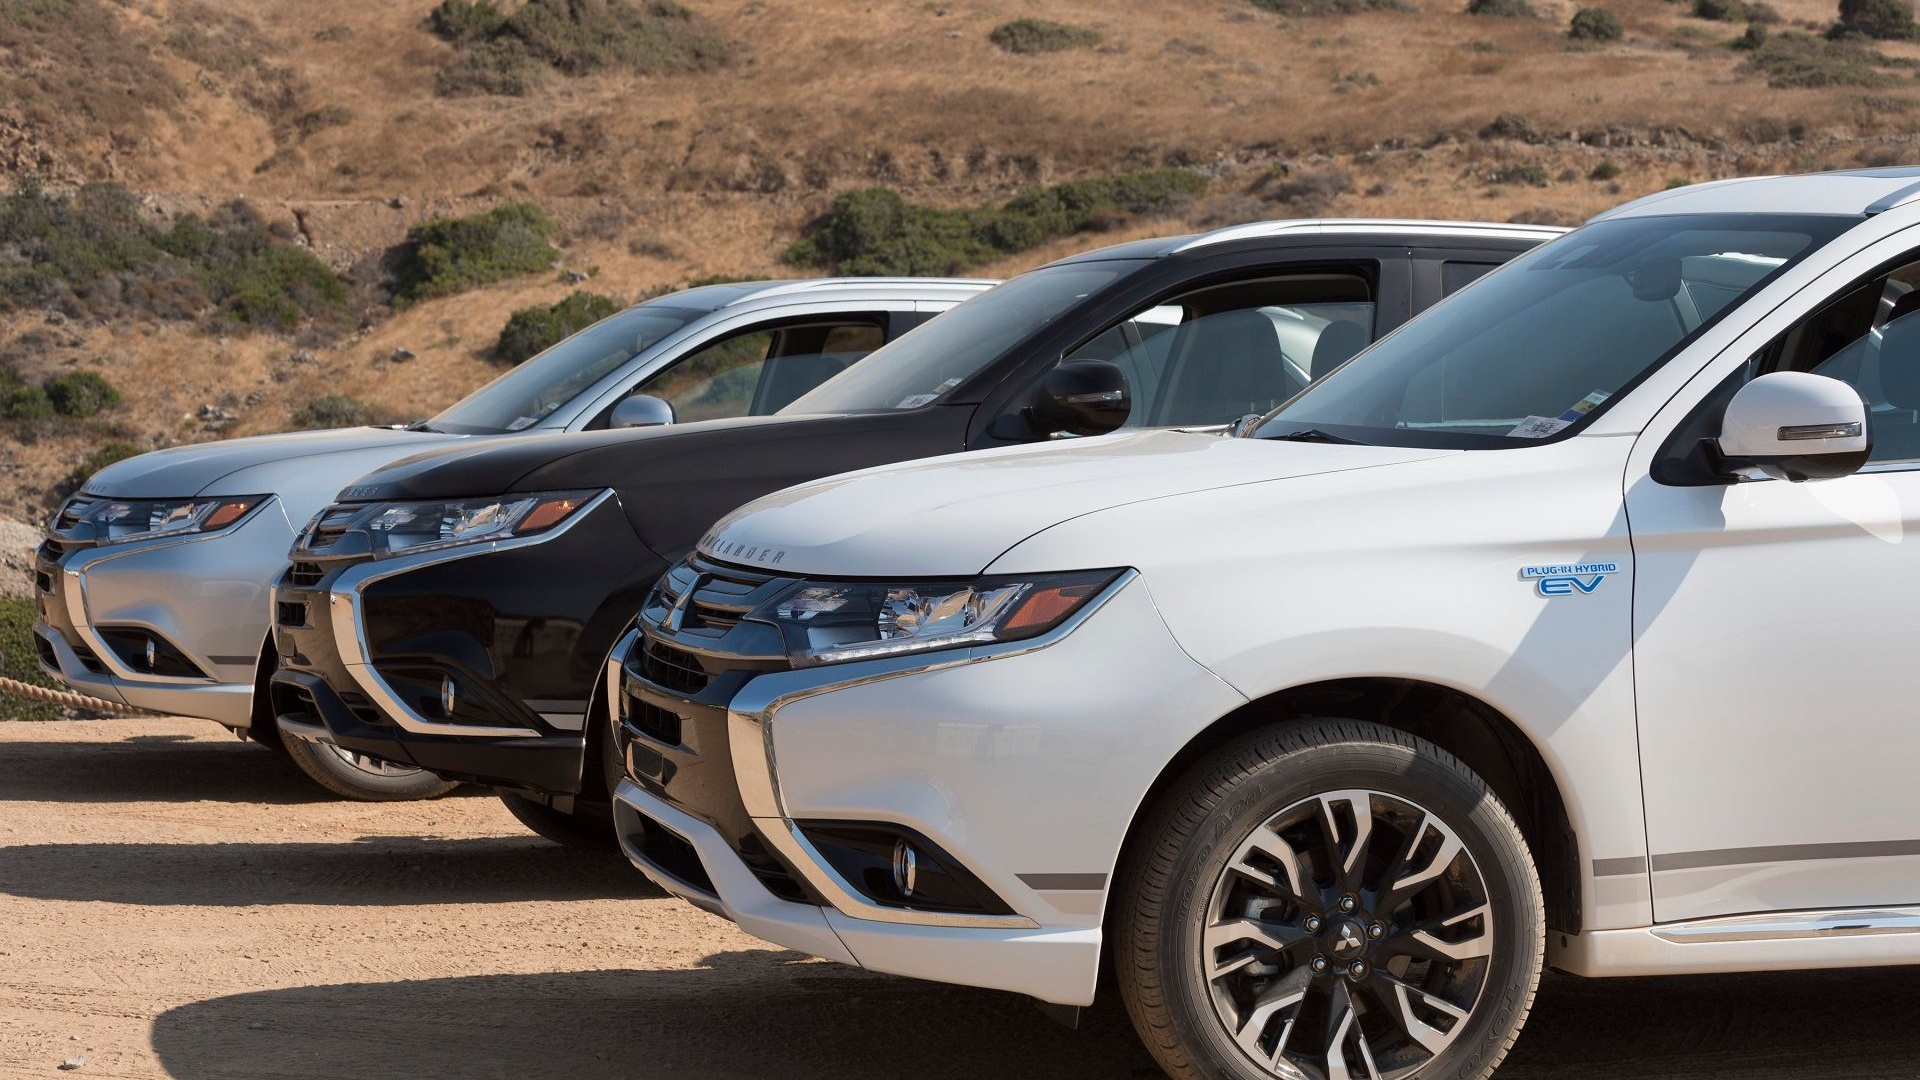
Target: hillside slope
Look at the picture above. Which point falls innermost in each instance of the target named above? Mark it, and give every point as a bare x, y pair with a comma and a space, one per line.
328, 120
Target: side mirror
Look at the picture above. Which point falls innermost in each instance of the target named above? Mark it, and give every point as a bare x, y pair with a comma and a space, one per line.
641, 410
1795, 425
1080, 397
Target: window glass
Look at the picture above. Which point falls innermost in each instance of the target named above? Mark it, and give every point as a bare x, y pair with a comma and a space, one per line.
1545, 342
763, 371
1455, 276
715, 382
529, 393
1870, 339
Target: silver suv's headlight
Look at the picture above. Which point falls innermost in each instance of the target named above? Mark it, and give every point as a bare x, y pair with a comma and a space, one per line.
827, 622
400, 528
119, 521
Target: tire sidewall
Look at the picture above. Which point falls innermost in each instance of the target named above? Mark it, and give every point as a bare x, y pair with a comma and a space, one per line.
1394, 769
347, 780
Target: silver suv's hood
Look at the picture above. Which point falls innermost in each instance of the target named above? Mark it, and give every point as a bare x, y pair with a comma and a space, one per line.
190, 470
954, 515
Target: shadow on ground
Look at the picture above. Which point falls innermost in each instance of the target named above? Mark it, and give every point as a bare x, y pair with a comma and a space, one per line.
761, 1014
154, 768
374, 870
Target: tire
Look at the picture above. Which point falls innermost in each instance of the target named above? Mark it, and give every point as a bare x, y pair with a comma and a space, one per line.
367, 781
1429, 975
591, 829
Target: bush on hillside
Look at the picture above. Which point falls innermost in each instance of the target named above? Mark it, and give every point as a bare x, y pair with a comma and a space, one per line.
506, 53
876, 232
1306, 193
1607, 169
1882, 20
450, 255
1595, 24
21, 401
332, 411
81, 394
531, 330
1530, 175
1312, 8
1502, 9
1041, 36
18, 661
1791, 60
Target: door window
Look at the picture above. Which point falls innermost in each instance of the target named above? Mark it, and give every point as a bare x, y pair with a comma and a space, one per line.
761, 371
1869, 338
1216, 354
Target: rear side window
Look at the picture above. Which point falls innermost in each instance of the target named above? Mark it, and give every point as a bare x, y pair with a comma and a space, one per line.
1455, 276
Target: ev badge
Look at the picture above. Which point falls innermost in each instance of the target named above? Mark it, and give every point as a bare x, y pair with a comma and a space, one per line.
1568, 579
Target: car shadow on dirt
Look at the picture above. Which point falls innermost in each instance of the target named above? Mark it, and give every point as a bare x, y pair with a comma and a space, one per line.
757, 1014
384, 870
157, 768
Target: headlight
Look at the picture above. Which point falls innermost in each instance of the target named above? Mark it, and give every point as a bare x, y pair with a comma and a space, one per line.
401, 528
836, 622
117, 521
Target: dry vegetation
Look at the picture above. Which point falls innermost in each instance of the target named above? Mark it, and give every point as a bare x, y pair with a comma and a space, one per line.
656, 172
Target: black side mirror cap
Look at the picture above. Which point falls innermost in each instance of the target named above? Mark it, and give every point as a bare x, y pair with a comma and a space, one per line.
1080, 397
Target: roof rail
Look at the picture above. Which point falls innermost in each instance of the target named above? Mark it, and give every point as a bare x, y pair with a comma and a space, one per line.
1488, 229
780, 288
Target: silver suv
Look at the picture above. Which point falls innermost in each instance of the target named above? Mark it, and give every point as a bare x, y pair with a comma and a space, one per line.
153, 580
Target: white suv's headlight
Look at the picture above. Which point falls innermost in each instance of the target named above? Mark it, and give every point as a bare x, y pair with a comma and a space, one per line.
400, 528
119, 521
826, 622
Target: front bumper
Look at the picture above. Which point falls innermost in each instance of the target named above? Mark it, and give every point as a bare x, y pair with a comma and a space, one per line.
203, 598
1027, 769
365, 645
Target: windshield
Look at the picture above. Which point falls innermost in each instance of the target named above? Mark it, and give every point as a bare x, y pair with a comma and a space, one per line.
1539, 347
529, 393
917, 368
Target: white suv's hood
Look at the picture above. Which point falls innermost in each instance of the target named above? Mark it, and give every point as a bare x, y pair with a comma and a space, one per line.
955, 515
182, 471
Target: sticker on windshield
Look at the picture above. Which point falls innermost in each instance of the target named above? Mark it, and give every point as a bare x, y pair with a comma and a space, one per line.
915, 401
1538, 427
522, 422
1585, 405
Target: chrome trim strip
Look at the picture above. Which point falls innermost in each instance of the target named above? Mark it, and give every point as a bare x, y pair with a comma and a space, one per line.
750, 741
1868, 922
349, 636
1064, 882
1862, 849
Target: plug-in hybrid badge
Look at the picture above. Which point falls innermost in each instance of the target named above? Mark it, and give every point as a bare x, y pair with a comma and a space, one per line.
1569, 579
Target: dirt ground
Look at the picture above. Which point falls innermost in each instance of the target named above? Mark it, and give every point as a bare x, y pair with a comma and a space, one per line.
174, 903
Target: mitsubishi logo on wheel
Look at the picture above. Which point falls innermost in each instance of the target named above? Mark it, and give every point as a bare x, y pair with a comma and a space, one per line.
1348, 940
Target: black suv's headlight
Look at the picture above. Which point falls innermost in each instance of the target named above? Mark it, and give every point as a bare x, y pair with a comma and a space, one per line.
402, 528
837, 622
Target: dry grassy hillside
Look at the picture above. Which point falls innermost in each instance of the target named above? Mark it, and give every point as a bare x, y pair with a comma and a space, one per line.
331, 120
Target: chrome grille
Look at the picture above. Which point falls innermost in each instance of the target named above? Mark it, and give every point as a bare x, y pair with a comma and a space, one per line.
672, 669
305, 573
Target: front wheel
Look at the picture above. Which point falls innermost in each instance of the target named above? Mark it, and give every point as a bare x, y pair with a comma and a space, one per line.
1326, 900
363, 778
590, 828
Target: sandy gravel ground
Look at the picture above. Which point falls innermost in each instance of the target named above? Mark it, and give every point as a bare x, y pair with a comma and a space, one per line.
174, 903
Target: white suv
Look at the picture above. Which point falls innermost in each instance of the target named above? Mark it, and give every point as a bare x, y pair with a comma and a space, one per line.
1514, 641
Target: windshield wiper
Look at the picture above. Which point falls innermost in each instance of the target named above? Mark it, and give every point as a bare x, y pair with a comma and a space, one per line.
419, 425
1315, 435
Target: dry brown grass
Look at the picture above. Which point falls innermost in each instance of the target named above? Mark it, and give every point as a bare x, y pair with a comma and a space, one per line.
664, 179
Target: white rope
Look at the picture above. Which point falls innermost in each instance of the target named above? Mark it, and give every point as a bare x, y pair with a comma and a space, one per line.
72, 701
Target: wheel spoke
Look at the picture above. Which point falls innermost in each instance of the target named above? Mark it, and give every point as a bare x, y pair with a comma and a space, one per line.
1298, 882
1399, 999
1348, 863
1339, 1022
1450, 848
1268, 937
1284, 995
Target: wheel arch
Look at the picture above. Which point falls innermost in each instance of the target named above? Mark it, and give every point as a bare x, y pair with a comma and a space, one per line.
1481, 736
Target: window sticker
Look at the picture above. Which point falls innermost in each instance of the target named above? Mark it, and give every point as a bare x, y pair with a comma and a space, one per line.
1585, 405
522, 422
1538, 427
915, 401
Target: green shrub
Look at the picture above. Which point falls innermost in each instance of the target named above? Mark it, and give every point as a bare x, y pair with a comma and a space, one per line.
81, 394
1608, 169
1883, 20
1595, 24
1311, 8
1530, 175
332, 411
1502, 9
1041, 36
1792, 60
450, 255
18, 661
876, 232
533, 329
1754, 38
506, 53
253, 274
19, 401
1719, 10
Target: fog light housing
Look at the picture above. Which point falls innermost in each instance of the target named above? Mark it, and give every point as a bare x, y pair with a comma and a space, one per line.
449, 695
895, 866
906, 868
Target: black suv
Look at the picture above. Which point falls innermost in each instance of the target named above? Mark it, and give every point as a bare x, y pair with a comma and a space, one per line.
456, 611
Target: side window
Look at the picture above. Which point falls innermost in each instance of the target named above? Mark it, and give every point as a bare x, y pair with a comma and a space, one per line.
1455, 276
1219, 353
762, 371
1870, 339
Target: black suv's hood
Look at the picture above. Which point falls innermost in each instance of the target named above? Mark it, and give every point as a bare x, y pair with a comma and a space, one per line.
581, 459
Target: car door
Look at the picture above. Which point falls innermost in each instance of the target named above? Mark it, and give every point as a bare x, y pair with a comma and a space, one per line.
1775, 626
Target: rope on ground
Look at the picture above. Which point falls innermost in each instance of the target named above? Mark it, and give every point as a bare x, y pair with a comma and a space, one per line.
70, 700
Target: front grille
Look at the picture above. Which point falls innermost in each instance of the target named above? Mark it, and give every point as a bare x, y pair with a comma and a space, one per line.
327, 528
654, 721
305, 574
74, 509
44, 648
721, 596
43, 580
291, 613
88, 660
672, 669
